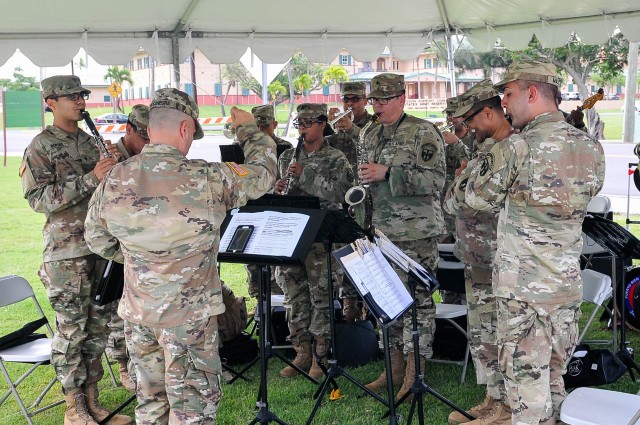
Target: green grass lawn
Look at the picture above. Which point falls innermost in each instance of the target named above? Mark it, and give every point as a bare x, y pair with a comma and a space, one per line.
291, 399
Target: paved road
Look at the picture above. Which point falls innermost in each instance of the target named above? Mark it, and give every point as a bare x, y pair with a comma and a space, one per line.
617, 182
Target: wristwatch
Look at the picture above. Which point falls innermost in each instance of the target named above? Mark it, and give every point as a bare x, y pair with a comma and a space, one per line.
387, 174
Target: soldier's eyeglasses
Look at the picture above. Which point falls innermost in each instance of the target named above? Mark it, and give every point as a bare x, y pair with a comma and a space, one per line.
305, 123
352, 99
469, 118
381, 101
75, 96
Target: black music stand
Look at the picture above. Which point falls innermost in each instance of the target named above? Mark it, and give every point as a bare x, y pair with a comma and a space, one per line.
620, 243
337, 227
261, 256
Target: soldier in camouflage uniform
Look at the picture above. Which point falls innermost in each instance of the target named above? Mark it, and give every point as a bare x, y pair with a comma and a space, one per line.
160, 213
457, 151
545, 176
480, 110
266, 122
321, 171
60, 170
405, 171
354, 97
134, 139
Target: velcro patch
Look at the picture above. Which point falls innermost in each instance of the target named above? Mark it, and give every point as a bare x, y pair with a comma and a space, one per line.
237, 169
23, 167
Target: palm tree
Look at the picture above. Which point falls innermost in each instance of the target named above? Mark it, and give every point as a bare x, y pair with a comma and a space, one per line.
276, 89
335, 74
303, 84
118, 75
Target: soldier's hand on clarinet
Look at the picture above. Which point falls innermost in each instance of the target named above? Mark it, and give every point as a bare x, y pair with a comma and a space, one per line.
103, 166
112, 149
295, 169
281, 185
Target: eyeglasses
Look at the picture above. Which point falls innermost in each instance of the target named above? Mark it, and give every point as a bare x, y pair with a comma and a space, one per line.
352, 99
74, 97
381, 101
469, 118
305, 123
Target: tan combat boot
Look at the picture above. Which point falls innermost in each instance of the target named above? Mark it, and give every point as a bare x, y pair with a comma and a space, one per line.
321, 351
302, 360
397, 372
99, 412
77, 413
410, 376
350, 309
125, 378
500, 414
478, 411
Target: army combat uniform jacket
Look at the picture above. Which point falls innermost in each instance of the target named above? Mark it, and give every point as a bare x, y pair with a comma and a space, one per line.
546, 176
164, 213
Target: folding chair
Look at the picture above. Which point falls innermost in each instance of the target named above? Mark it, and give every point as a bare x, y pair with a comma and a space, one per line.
450, 312
591, 406
14, 289
596, 289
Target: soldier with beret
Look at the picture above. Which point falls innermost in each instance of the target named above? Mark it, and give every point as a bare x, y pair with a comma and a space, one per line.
60, 170
479, 110
321, 171
545, 176
134, 139
406, 171
160, 214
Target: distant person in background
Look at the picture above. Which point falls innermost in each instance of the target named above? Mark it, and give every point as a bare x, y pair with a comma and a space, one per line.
60, 170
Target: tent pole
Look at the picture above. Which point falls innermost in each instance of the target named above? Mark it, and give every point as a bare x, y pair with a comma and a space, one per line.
450, 65
628, 119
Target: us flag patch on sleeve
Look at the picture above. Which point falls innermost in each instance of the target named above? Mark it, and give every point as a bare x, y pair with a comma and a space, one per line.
237, 169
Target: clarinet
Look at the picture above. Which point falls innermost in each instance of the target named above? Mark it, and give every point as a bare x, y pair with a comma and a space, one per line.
102, 146
294, 159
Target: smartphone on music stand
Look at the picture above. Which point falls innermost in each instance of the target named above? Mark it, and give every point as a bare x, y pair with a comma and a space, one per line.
240, 238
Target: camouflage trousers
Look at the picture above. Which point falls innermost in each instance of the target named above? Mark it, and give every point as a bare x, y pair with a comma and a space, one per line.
81, 326
178, 372
482, 330
253, 280
116, 346
425, 252
535, 342
306, 296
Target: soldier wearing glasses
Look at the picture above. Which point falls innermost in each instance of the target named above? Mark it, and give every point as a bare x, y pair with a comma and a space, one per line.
406, 171
320, 171
60, 170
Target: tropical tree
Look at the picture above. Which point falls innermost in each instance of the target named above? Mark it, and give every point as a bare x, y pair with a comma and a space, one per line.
335, 74
118, 75
302, 84
276, 89
19, 82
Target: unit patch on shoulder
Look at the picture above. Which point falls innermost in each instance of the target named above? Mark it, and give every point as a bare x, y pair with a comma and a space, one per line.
237, 169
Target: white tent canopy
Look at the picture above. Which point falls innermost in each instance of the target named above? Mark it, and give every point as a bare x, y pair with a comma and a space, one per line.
51, 32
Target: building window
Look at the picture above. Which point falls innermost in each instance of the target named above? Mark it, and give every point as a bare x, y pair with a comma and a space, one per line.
428, 63
326, 90
139, 63
107, 99
146, 92
132, 93
140, 92
345, 60
131, 65
217, 87
126, 94
146, 62
395, 65
245, 92
188, 88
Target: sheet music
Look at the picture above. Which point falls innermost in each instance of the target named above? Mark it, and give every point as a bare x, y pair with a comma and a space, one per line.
373, 275
274, 233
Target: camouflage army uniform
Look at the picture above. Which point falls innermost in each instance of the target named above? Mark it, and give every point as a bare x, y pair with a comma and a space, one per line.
545, 176
407, 207
161, 212
327, 175
58, 180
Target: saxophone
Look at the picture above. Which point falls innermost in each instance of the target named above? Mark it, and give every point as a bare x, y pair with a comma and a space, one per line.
358, 193
294, 159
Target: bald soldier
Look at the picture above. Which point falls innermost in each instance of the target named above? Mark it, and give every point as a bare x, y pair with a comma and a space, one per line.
545, 176
161, 213
60, 170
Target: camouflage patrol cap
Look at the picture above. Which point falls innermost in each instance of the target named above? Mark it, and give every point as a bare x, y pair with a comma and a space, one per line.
139, 117
482, 91
531, 70
312, 110
60, 85
452, 104
263, 114
387, 85
356, 88
180, 101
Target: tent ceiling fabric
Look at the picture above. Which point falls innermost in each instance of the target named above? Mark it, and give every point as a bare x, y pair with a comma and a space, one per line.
50, 32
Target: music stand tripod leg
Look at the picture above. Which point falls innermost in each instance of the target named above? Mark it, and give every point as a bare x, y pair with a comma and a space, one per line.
334, 369
419, 387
